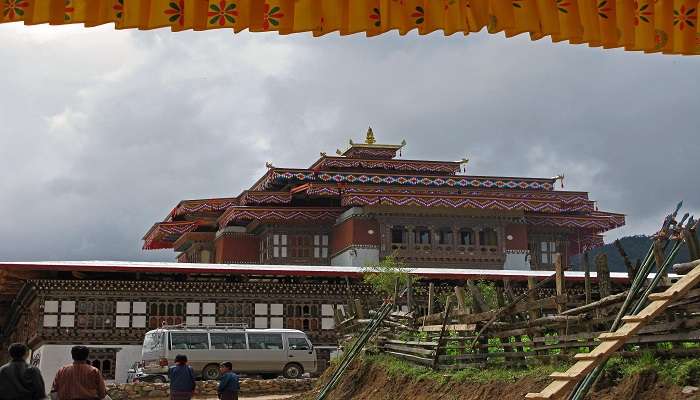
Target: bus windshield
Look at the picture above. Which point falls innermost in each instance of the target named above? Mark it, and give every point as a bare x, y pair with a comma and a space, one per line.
154, 341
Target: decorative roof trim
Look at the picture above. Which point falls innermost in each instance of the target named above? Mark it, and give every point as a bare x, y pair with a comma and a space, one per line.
283, 176
203, 205
330, 162
597, 221
253, 197
372, 199
163, 234
264, 214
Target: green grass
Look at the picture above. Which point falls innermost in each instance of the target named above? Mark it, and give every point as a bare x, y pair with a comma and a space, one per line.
400, 368
679, 371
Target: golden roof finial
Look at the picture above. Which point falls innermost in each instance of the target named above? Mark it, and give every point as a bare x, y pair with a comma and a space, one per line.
370, 136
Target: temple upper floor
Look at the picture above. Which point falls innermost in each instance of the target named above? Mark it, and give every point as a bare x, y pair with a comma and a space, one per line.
354, 207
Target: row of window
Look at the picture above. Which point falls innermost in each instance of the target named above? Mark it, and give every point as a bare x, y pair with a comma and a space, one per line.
294, 247
133, 314
444, 236
234, 341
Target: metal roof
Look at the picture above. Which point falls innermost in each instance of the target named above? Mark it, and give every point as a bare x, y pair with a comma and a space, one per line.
281, 270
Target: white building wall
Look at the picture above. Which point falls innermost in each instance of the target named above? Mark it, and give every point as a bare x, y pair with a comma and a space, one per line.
517, 261
54, 356
356, 257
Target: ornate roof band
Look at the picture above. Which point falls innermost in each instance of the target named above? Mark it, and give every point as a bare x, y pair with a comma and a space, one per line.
305, 214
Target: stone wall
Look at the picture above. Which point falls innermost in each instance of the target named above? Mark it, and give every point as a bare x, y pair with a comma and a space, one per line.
145, 390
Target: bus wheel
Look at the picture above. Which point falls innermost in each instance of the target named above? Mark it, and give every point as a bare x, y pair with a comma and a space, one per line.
210, 372
293, 371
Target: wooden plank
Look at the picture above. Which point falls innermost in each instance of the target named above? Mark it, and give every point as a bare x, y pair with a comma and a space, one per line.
454, 327
410, 357
412, 343
410, 350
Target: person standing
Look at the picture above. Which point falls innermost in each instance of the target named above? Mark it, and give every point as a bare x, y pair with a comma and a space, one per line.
230, 385
79, 380
18, 380
182, 379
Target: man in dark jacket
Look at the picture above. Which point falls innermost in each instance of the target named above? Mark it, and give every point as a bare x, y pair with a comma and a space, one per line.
182, 379
18, 380
230, 384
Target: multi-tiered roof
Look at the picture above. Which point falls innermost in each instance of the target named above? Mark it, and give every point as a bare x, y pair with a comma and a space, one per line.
370, 174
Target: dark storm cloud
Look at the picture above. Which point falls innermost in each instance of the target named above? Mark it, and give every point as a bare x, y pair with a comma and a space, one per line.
102, 132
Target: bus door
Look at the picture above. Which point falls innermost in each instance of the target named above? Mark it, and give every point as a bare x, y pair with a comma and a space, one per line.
300, 351
266, 351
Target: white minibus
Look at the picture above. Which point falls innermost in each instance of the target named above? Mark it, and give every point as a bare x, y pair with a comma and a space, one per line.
268, 352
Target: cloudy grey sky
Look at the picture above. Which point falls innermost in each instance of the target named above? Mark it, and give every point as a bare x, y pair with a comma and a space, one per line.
102, 132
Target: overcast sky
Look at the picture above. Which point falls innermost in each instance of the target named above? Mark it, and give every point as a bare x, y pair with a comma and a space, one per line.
103, 132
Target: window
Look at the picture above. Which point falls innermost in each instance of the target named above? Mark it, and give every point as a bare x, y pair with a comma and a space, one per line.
298, 343
466, 237
547, 252
300, 246
488, 237
279, 246
131, 314
445, 236
320, 246
189, 341
265, 341
327, 317
63, 315
205, 310
398, 234
268, 316
228, 341
421, 235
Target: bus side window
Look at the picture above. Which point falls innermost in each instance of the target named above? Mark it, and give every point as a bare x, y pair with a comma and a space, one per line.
198, 341
178, 341
228, 341
265, 341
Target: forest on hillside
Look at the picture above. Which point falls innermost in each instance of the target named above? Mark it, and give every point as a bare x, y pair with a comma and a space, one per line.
636, 247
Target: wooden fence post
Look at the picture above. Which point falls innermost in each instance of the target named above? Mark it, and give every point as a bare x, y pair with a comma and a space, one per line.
431, 296
460, 294
560, 281
601, 265
478, 302
587, 277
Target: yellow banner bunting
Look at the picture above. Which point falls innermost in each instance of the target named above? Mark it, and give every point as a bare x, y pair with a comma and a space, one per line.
667, 26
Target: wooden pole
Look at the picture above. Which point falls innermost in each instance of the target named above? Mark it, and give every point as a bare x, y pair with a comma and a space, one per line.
631, 270
587, 277
660, 258
431, 295
532, 297
461, 297
560, 281
409, 293
359, 310
445, 320
601, 265
478, 301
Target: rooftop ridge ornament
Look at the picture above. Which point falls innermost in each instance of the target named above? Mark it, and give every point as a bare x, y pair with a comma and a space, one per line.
370, 136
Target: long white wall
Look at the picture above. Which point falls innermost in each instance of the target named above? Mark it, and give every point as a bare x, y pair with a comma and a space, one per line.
54, 356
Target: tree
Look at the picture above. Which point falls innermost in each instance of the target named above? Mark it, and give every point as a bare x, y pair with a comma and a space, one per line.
383, 275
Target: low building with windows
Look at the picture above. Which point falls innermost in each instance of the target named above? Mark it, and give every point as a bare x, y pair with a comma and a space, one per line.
288, 253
